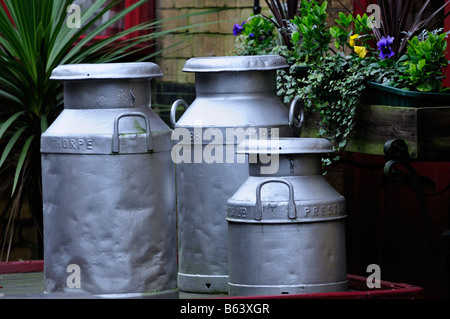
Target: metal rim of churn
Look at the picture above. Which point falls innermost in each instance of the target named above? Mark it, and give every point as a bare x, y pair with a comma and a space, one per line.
313, 148
235, 63
106, 71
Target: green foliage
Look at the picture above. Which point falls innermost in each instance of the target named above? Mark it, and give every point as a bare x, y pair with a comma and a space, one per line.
342, 32
361, 52
333, 89
420, 69
310, 36
257, 37
301, 28
348, 26
424, 63
387, 72
334, 84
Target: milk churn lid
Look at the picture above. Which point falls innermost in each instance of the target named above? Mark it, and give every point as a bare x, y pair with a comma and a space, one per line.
235, 63
100, 71
286, 146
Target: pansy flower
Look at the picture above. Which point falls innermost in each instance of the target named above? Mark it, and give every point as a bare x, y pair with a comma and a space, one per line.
352, 40
360, 51
385, 47
237, 29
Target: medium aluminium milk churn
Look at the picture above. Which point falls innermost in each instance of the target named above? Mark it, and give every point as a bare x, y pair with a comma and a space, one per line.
286, 230
109, 186
235, 99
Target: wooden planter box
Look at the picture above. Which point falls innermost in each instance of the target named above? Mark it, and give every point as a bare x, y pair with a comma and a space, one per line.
426, 130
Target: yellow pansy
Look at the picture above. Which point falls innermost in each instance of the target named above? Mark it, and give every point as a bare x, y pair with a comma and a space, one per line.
352, 40
360, 51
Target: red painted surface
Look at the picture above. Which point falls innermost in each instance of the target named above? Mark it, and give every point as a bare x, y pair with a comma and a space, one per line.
13, 267
357, 290
357, 286
359, 6
385, 225
143, 14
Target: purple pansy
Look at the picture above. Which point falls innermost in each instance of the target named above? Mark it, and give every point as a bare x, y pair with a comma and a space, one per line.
237, 29
251, 35
384, 45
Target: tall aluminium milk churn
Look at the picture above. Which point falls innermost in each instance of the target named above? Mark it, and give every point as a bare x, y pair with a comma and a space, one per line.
109, 186
235, 99
286, 230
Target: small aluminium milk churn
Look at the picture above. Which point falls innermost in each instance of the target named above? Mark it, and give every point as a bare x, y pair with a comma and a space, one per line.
235, 99
286, 230
108, 186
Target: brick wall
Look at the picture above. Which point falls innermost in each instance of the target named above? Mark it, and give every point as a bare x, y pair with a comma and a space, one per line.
211, 40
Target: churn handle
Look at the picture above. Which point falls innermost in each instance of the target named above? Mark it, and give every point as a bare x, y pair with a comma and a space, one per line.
292, 213
297, 109
173, 110
115, 145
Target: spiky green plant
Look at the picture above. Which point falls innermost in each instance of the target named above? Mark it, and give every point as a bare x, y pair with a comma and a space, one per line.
34, 39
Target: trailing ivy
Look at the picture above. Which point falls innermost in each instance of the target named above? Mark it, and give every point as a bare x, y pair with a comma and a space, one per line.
333, 89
